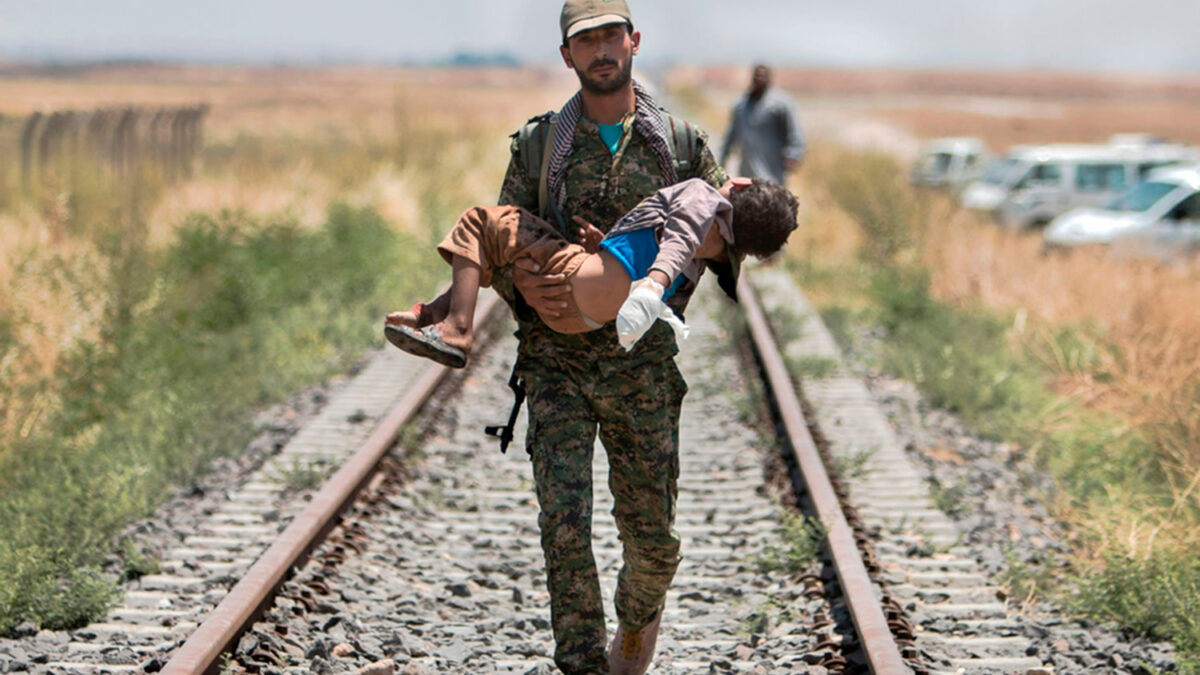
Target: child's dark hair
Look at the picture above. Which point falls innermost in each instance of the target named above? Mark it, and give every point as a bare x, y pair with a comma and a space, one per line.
764, 214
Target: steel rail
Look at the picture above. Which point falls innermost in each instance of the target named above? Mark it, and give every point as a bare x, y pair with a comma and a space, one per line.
878, 643
251, 595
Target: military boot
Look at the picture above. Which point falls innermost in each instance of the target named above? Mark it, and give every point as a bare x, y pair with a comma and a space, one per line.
632, 651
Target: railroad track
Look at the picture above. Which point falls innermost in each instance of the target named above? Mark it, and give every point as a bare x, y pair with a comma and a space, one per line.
434, 564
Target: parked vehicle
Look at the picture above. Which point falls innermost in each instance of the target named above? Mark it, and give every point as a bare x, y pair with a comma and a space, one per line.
1137, 140
1031, 185
949, 162
1161, 213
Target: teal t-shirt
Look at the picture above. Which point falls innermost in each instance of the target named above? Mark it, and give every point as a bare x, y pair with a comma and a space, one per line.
611, 135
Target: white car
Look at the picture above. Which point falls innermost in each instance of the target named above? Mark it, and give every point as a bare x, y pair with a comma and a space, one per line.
1162, 213
949, 162
989, 191
1033, 184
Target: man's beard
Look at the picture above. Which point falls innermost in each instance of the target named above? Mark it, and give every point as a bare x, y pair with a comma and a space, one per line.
619, 82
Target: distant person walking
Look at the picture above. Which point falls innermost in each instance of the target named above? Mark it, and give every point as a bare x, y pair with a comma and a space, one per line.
763, 127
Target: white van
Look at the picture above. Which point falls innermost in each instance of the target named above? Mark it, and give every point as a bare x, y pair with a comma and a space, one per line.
1163, 212
949, 162
1031, 185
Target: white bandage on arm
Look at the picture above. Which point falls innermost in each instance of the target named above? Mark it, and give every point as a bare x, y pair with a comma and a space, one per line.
641, 309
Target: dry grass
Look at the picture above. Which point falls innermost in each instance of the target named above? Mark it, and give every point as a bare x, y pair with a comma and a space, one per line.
1146, 308
279, 142
824, 227
1150, 377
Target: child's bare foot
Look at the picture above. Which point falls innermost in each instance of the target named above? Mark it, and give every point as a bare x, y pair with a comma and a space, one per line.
422, 314
411, 318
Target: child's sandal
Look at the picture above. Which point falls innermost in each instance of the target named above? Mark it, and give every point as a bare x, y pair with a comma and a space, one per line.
421, 311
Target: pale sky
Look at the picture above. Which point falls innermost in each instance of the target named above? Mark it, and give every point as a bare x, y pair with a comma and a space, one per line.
1095, 35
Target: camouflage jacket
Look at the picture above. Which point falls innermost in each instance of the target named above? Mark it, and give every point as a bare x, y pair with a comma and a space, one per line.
600, 188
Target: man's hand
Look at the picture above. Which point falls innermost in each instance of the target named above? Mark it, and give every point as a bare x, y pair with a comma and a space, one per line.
589, 235
542, 292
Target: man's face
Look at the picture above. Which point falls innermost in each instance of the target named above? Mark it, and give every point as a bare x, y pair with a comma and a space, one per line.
602, 57
760, 80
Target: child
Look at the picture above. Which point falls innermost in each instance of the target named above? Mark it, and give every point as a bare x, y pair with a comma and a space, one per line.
669, 235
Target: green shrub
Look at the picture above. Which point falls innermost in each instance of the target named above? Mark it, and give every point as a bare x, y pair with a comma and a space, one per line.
839, 321
234, 315
1157, 596
43, 586
872, 189
960, 360
6, 333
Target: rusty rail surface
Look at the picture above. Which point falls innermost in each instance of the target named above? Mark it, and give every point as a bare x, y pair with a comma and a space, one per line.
878, 643
201, 652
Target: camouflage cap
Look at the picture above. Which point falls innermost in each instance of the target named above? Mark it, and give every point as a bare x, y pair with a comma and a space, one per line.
580, 15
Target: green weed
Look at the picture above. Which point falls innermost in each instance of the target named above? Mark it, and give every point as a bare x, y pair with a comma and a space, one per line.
228, 665
853, 466
948, 498
755, 623
136, 562
839, 321
1157, 596
409, 441
747, 408
1029, 580
787, 325
812, 367
802, 539
772, 611
303, 474
960, 360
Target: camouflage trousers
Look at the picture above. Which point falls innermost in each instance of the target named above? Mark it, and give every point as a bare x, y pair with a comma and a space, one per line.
636, 412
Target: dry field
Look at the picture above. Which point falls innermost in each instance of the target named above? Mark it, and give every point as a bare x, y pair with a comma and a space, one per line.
147, 310
302, 107
291, 140
278, 142
418, 146
1144, 370
288, 141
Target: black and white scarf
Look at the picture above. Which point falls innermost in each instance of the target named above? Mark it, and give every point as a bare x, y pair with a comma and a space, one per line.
647, 121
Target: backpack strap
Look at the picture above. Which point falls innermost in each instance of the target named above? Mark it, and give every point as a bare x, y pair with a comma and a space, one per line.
534, 141
544, 170
683, 143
